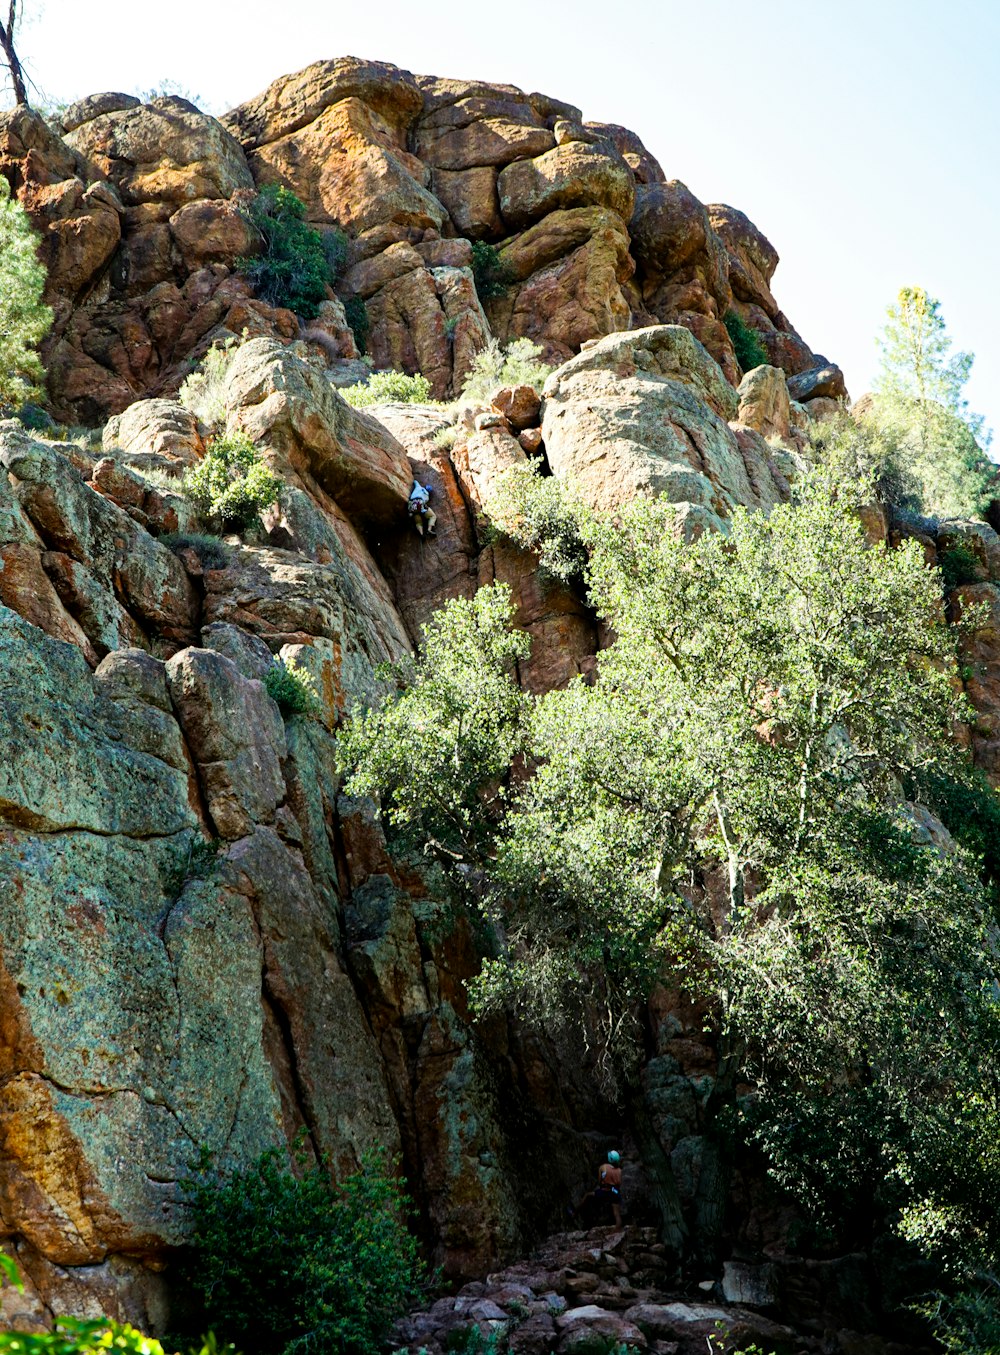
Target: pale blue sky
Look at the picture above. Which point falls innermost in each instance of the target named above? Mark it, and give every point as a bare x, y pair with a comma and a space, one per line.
862, 138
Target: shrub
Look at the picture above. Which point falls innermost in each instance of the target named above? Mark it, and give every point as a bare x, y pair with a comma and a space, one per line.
212, 551
491, 274
871, 453
381, 388
203, 392
356, 313
294, 268
749, 350
958, 565
290, 1264
445, 438
292, 688
494, 367
231, 485
536, 512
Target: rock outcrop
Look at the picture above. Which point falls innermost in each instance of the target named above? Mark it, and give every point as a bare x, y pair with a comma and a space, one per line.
139, 210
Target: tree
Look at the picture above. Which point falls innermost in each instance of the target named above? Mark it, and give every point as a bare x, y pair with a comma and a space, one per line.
10, 54
919, 401
764, 699
24, 319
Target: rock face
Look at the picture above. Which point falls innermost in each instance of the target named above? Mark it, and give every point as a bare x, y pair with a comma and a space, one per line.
138, 206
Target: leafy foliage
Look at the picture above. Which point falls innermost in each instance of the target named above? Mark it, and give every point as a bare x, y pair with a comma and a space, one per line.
919, 398
958, 565
491, 274
292, 688
356, 314
749, 350
203, 392
535, 511
495, 367
230, 485
288, 1263
385, 387
24, 319
764, 697
296, 264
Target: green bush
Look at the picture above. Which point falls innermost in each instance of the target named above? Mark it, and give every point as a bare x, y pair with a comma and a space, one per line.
288, 1264
24, 318
356, 313
382, 388
958, 565
292, 688
231, 485
535, 511
294, 267
749, 350
491, 274
494, 367
212, 551
203, 392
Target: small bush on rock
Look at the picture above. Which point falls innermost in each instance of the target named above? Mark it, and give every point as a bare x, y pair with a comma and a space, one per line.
231, 486
749, 350
494, 367
536, 512
24, 319
958, 565
384, 388
292, 688
291, 1264
203, 392
491, 274
294, 267
212, 551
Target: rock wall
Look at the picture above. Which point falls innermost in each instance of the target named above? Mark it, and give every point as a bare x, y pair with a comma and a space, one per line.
138, 208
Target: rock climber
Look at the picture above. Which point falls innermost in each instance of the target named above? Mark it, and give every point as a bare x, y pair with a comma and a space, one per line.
420, 509
608, 1190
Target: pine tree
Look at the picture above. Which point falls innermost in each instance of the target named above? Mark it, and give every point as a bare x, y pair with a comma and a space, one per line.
24, 319
919, 400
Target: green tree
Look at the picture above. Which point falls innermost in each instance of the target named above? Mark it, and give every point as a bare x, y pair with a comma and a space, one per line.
919, 401
765, 696
297, 262
24, 319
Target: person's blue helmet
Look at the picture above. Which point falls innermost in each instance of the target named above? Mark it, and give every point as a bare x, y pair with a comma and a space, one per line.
614, 1158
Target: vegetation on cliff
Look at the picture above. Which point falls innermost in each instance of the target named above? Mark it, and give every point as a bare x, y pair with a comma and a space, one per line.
24, 319
721, 808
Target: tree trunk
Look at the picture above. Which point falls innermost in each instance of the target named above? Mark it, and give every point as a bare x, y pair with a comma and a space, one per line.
13, 64
673, 1229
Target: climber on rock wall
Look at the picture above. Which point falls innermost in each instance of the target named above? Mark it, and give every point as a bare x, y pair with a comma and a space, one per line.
420, 509
606, 1193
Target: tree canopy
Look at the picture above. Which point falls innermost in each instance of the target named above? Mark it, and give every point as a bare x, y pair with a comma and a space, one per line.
920, 406
722, 808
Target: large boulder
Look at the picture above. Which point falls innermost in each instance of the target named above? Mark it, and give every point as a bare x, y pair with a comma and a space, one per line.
646, 413
569, 273
165, 151
287, 405
571, 175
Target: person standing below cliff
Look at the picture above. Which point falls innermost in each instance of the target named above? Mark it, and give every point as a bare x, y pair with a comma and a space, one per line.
608, 1190
419, 508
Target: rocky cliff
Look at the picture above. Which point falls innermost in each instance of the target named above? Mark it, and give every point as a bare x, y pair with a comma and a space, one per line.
203, 943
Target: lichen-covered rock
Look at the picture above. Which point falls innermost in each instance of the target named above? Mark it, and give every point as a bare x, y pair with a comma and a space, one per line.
570, 175
163, 151
645, 413
154, 432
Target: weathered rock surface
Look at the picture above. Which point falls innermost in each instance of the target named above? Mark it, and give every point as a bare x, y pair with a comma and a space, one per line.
139, 206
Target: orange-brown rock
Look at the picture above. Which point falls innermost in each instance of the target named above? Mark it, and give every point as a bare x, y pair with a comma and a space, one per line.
570, 175
520, 406
568, 272
164, 152
350, 167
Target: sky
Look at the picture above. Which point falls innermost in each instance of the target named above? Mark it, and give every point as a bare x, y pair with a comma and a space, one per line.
861, 138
